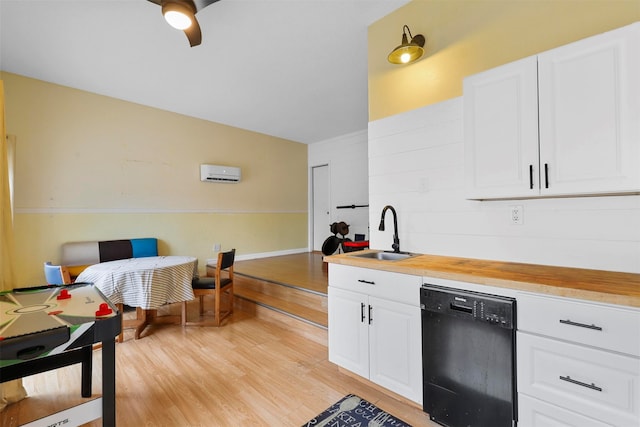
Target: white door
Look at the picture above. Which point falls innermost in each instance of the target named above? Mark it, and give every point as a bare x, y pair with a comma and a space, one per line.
321, 209
395, 347
349, 330
589, 115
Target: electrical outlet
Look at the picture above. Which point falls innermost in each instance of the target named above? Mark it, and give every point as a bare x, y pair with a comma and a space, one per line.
517, 215
216, 247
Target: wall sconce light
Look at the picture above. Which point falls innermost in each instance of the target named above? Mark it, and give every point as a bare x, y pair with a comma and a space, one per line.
408, 51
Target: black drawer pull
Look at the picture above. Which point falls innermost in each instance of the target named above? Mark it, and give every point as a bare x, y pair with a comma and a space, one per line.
546, 175
582, 325
592, 386
368, 282
531, 177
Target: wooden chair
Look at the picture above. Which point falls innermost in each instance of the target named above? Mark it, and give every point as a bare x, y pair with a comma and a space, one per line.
221, 285
56, 274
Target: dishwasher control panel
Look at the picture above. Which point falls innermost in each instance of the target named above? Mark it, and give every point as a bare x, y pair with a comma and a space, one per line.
492, 309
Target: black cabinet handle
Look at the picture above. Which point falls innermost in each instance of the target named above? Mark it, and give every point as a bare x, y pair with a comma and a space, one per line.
368, 282
581, 325
592, 386
546, 175
530, 177
362, 312
370, 317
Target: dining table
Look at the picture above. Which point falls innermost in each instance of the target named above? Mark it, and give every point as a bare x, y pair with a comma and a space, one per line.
146, 283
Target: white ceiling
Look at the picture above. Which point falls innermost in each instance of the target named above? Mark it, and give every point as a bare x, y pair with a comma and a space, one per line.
296, 69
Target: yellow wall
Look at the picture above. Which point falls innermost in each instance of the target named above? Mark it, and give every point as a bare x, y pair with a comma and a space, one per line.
89, 167
465, 37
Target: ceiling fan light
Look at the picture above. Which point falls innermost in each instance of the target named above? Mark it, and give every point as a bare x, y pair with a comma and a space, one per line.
179, 15
178, 20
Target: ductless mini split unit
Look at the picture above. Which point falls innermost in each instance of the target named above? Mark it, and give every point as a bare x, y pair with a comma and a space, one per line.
214, 173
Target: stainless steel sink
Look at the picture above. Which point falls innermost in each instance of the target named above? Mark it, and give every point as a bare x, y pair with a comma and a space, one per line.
385, 256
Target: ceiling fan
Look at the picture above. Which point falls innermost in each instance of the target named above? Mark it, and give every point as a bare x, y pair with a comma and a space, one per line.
181, 14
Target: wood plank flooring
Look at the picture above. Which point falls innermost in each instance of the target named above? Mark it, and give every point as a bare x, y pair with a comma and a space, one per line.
261, 369
300, 304
293, 284
304, 270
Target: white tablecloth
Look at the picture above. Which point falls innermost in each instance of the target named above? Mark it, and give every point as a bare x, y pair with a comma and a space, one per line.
148, 282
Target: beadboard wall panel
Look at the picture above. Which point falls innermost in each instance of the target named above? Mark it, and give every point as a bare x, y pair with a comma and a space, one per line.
416, 164
346, 157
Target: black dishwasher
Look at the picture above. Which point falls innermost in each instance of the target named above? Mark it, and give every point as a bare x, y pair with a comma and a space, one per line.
468, 353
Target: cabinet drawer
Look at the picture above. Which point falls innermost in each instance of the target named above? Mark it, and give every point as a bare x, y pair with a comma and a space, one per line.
398, 287
595, 383
536, 413
603, 326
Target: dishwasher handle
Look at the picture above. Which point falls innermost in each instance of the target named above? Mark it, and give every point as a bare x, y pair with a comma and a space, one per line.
462, 308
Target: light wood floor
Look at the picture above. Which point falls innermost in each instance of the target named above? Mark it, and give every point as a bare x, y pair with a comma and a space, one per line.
304, 270
294, 284
261, 369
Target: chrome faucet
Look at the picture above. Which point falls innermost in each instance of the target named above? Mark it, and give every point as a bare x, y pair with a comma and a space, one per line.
396, 240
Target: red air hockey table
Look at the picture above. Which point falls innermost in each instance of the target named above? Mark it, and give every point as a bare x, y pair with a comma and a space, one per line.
48, 327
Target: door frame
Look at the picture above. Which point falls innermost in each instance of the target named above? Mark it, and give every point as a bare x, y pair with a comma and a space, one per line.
311, 218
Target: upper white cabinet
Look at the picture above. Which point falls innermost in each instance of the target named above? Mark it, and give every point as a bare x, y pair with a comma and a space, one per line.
565, 122
501, 131
589, 107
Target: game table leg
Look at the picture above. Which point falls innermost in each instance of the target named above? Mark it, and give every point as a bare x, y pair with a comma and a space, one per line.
87, 364
109, 383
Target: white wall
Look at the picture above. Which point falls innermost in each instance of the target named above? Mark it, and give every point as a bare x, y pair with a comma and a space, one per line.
347, 159
416, 164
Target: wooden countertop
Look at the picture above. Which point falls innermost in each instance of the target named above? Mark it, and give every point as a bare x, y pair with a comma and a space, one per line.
595, 285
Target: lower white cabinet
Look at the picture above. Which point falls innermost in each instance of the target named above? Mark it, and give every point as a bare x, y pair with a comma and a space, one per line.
349, 330
578, 363
375, 337
538, 413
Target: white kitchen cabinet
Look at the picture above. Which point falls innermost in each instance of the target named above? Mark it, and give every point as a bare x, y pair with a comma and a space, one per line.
537, 413
597, 325
395, 358
375, 327
577, 359
579, 134
501, 131
349, 330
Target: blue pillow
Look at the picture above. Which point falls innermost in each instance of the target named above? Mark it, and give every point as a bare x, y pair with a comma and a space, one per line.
144, 247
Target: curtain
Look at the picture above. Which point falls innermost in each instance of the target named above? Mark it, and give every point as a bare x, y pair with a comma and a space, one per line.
11, 391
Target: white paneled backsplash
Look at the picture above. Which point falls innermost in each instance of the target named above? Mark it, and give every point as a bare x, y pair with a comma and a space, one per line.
416, 164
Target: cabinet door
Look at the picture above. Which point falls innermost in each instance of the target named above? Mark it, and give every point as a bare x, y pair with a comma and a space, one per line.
589, 97
395, 347
349, 330
501, 131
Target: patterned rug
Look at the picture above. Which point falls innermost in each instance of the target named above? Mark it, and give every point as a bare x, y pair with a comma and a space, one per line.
353, 411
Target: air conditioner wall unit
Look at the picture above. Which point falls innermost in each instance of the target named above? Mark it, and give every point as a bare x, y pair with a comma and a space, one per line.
215, 173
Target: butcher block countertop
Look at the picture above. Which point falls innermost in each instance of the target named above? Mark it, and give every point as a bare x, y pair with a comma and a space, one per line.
595, 285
